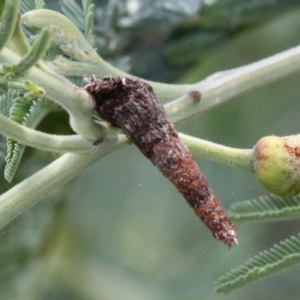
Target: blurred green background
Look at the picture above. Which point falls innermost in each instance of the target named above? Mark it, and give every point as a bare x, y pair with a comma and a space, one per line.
121, 230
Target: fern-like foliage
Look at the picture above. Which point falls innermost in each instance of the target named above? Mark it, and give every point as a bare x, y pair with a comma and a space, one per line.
82, 17
280, 257
27, 113
7, 101
21, 110
89, 9
266, 208
28, 5
31, 32
14, 149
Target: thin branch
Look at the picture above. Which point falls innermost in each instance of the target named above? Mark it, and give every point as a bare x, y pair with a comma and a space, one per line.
165, 92
76, 144
23, 195
43, 141
35, 53
18, 41
219, 88
64, 33
221, 154
8, 21
75, 101
214, 90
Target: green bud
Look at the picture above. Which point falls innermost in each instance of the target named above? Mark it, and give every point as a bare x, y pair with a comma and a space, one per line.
277, 164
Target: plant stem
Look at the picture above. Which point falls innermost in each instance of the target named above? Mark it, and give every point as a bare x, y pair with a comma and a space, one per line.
165, 92
214, 90
23, 195
8, 21
43, 141
221, 154
75, 101
35, 53
77, 144
221, 87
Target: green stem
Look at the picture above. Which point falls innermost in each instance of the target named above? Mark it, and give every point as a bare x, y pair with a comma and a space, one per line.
35, 53
165, 92
64, 33
18, 41
43, 141
76, 101
23, 195
218, 89
218, 153
76, 144
214, 90
8, 21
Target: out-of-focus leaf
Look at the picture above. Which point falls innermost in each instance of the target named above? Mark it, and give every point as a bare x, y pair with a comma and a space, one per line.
217, 19
82, 17
231, 14
27, 5
192, 45
159, 15
266, 208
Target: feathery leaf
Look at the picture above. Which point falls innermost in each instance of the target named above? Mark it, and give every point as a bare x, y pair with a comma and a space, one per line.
89, 9
27, 5
266, 208
74, 12
280, 257
7, 101
27, 113
82, 17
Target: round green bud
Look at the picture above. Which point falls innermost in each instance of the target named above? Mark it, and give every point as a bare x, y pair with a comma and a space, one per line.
277, 164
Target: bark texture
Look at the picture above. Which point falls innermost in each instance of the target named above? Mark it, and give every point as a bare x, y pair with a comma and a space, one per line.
131, 105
